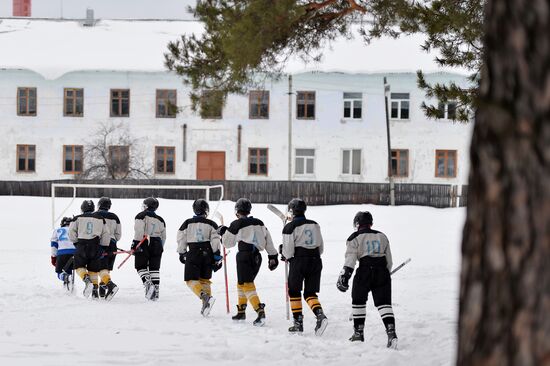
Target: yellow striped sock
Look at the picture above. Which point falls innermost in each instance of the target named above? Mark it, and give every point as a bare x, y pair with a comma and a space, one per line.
242, 296
206, 286
195, 286
296, 304
104, 275
313, 302
93, 277
81, 272
250, 292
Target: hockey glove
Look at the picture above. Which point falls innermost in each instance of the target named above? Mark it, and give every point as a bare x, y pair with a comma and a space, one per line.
273, 262
183, 256
222, 229
54, 261
134, 247
217, 261
281, 253
343, 279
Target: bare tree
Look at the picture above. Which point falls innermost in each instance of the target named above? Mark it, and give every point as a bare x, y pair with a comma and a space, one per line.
505, 283
114, 154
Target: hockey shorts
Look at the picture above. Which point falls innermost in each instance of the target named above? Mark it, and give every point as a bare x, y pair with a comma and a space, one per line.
306, 271
64, 263
149, 255
87, 255
375, 279
248, 265
198, 263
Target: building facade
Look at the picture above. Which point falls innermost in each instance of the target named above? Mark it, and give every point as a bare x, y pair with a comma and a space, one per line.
331, 128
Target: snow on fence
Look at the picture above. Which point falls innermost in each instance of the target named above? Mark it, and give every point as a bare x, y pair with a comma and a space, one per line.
277, 192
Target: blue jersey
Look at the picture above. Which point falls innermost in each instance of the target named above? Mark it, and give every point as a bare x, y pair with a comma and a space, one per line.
60, 242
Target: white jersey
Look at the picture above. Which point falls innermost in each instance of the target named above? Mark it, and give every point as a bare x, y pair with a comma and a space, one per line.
60, 242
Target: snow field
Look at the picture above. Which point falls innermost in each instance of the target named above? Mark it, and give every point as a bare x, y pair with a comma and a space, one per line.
41, 325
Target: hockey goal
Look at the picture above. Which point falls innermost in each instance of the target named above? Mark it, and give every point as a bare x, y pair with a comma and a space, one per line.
55, 218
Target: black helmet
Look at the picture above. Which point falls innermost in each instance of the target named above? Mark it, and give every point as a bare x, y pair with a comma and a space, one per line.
297, 207
66, 221
362, 219
87, 206
150, 203
104, 203
200, 207
243, 206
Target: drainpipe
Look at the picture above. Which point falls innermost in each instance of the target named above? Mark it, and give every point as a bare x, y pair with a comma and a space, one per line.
390, 173
289, 127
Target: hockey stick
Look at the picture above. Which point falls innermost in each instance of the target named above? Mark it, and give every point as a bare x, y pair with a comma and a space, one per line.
283, 218
400, 266
220, 217
132, 251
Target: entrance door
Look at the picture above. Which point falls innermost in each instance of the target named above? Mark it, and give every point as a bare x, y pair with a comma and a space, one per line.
210, 165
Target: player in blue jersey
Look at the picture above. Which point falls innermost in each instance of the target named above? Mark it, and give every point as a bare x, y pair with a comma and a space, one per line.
62, 253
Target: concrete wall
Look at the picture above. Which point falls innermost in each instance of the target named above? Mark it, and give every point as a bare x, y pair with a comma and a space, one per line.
328, 133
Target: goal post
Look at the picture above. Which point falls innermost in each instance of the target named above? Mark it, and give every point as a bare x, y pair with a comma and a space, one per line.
206, 188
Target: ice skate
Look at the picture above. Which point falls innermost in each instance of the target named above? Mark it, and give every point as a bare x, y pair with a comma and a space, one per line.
241, 313
260, 320
207, 303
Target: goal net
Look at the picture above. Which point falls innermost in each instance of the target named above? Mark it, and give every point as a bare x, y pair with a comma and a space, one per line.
203, 191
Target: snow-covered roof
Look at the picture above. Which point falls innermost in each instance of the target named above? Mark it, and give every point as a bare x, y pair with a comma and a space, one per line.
53, 48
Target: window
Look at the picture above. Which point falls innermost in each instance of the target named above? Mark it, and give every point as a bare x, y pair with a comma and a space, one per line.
400, 105
73, 102
445, 163
26, 101
258, 104
72, 158
305, 105
26, 157
351, 162
21, 8
211, 104
120, 102
257, 161
400, 163
166, 103
353, 105
305, 161
119, 157
165, 157
447, 110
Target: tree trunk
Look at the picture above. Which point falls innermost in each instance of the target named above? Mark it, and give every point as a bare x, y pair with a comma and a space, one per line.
505, 281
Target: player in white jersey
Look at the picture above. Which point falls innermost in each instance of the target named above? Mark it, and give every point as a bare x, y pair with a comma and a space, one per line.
62, 253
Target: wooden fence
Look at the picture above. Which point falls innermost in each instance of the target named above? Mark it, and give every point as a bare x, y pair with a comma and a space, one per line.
278, 192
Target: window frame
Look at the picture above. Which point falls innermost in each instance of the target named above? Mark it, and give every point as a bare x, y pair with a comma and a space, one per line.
306, 102
351, 174
443, 109
446, 164
398, 165
115, 147
258, 156
120, 100
306, 158
27, 89
73, 153
257, 95
204, 96
352, 106
167, 103
165, 159
17, 156
75, 100
399, 106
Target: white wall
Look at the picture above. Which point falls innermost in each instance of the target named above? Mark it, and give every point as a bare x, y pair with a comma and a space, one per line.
105, 9
49, 130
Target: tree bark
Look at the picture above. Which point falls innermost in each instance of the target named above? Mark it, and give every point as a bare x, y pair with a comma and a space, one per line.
504, 316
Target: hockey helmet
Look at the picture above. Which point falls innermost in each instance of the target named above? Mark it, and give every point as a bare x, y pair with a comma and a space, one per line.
362, 218
87, 206
200, 207
243, 206
297, 207
150, 203
104, 203
66, 221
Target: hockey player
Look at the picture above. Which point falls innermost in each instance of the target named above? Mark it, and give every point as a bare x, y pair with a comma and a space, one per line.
199, 249
107, 288
62, 253
252, 237
149, 253
372, 249
90, 235
302, 248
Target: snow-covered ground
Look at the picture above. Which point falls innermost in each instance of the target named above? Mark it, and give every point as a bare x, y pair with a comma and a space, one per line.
41, 325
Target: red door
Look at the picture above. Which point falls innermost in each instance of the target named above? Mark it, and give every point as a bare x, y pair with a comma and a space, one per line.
210, 165
21, 8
